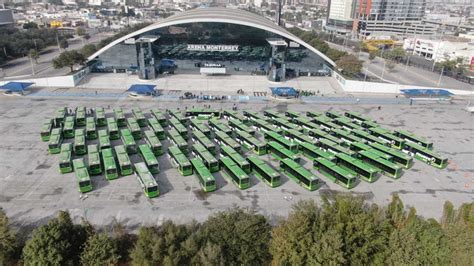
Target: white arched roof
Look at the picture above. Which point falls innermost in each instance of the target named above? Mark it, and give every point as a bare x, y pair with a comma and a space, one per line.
220, 15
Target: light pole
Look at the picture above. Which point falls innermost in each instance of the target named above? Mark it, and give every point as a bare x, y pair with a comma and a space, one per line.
32, 66
440, 76
383, 69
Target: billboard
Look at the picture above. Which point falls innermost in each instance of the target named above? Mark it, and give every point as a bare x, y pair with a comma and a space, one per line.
212, 48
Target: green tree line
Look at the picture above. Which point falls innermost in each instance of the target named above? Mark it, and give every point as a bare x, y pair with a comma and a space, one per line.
349, 64
16, 43
343, 230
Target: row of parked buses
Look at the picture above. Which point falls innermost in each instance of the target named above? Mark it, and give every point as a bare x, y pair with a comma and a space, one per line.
343, 147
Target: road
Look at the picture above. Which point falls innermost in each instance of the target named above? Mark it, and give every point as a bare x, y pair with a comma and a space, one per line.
21, 67
403, 74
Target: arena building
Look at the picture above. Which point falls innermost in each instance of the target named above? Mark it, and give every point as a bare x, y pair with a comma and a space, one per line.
212, 41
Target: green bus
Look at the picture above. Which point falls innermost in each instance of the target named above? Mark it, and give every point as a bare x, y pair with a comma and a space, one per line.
139, 116
367, 136
359, 146
335, 173
297, 136
238, 159
346, 123
179, 127
157, 128
125, 166
235, 173
280, 152
46, 128
179, 160
120, 117
254, 116
410, 137
264, 126
209, 160
176, 138
112, 128
199, 137
299, 174
313, 152
273, 114
386, 167
398, 156
100, 117
128, 141
60, 115
425, 155
250, 142
198, 125
134, 128
365, 171
285, 124
146, 180
91, 132
387, 136
160, 117
272, 136
236, 115
110, 168
305, 123
325, 122
80, 147
149, 158
80, 116
218, 125
104, 140
333, 115
55, 140
369, 124
95, 167
153, 142
358, 118
205, 178
345, 136
238, 125
333, 147
223, 139
202, 113
263, 171
68, 129
179, 116
313, 114
292, 114
318, 134
65, 163
82, 176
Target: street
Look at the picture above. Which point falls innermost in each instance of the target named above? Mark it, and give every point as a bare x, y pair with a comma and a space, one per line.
22, 67
402, 73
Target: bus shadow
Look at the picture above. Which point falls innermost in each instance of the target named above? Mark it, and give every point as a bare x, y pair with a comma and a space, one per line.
162, 177
99, 181
221, 180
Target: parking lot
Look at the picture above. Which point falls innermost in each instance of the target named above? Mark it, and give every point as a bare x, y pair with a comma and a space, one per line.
32, 190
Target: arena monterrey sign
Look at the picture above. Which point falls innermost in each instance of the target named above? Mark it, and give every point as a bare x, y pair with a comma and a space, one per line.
213, 48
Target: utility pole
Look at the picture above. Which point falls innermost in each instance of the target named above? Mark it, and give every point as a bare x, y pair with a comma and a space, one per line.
57, 41
440, 76
32, 66
383, 69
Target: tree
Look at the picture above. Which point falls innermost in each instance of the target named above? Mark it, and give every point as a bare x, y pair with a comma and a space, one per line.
372, 56
390, 64
59, 242
30, 25
34, 55
350, 65
8, 244
100, 249
396, 54
68, 59
86, 37
335, 54
242, 236
80, 31
63, 44
56, 2
88, 50
320, 45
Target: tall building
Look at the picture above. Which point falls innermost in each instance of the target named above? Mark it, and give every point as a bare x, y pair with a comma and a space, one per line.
387, 17
340, 16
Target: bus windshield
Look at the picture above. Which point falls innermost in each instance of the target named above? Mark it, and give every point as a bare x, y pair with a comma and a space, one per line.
152, 189
111, 171
53, 146
64, 165
210, 183
84, 183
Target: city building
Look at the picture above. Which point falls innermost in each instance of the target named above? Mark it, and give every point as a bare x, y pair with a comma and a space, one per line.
441, 50
393, 18
6, 18
212, 41
340, 16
